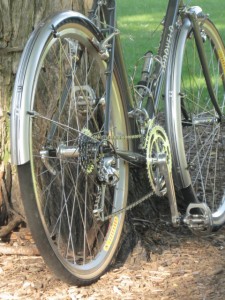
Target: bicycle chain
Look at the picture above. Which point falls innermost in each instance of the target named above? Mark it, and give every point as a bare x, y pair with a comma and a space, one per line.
150, 132
129, 207
128, 137
97, 210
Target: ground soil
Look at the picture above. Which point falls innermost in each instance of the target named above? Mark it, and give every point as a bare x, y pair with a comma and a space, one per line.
164, 263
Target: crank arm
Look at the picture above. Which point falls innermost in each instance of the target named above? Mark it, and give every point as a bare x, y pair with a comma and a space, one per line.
132, 157
167, 173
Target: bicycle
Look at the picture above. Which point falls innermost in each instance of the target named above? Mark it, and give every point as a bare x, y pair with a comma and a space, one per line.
76, 128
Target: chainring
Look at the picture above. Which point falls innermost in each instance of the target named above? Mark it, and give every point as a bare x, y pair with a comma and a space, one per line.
157, 143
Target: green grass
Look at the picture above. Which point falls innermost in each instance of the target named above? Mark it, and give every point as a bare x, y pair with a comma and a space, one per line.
138, 20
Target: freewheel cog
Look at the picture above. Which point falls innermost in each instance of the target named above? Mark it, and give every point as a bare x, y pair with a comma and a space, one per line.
87, 149
157, 144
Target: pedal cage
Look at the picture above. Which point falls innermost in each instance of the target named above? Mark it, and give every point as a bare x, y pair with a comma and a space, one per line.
199, 218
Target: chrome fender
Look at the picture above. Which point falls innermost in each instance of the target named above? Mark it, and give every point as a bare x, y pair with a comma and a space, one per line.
25, 81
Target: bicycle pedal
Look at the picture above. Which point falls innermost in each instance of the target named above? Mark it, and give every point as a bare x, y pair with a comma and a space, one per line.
198, 218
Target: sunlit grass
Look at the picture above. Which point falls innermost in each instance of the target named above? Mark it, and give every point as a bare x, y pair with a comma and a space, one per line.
139, 24
137, 20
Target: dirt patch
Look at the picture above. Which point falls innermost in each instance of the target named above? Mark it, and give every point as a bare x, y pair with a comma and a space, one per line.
166, 263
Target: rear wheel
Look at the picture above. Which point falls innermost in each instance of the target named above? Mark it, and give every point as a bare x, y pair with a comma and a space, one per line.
195, 129
74, 176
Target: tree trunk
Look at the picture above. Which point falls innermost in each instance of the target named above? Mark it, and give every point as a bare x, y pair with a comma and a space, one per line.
17, 20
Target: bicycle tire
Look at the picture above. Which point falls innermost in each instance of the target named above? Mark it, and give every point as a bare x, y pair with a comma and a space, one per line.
59, 195
195, 130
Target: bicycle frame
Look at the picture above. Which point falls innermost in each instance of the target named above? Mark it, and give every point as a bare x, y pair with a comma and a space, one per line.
22, 110
164, 50
174, 9
170, 22
80, 139
166, 39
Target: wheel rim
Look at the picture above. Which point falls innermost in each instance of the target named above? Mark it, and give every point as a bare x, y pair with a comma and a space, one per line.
69, 102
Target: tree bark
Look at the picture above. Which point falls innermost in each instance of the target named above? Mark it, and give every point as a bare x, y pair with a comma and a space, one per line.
17, 20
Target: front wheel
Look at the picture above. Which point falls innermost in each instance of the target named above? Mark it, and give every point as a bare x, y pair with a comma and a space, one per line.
73, 177
196, 132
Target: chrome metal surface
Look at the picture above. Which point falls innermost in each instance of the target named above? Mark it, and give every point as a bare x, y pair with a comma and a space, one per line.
22, 95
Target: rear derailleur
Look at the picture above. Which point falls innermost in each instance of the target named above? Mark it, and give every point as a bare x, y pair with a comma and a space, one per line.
107, 176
